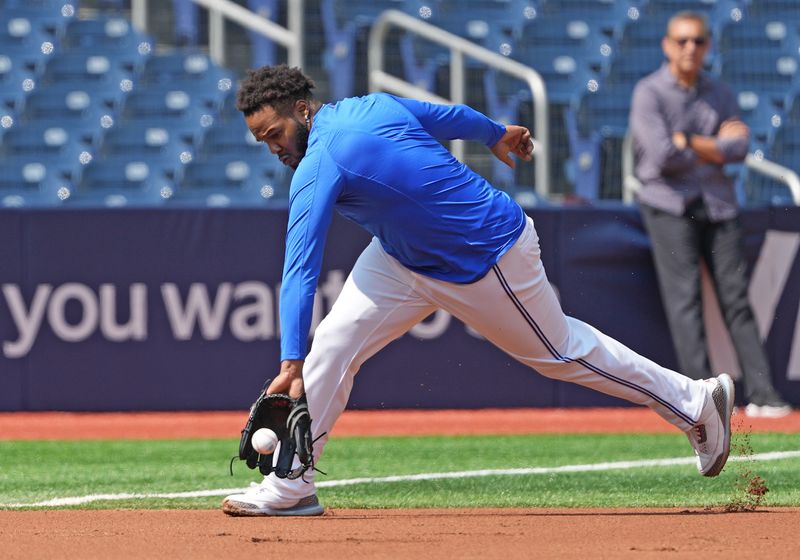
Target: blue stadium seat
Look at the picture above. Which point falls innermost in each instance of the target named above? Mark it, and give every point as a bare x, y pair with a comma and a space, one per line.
784, 10
226, 182
761, 115
113, 37
755, 35
574, 36
156, 145
232, 138
97, 72
597, 123
72, 107
793, 107
31, 181
665, 8
15, 85
342, 21
124, 181
45, 139
642, 33
493, 24
168, 105
48, 17
628, 67
564, 74
191, 71
771, 74
604, 15
19, 29
263, 50
785, 150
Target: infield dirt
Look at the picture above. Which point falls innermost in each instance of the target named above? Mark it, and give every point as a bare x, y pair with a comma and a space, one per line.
485, 534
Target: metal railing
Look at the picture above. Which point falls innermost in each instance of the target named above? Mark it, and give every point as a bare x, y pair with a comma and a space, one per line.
290, 37
379, 80
776, 171
757, 163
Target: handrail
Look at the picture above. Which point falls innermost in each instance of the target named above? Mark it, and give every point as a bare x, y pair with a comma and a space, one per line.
776, 171
756, 162
381, 80
219, 10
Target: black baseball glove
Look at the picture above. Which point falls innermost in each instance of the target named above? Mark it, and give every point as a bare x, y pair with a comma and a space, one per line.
291, 422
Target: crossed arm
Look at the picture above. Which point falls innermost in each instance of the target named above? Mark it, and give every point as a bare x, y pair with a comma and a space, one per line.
710, 148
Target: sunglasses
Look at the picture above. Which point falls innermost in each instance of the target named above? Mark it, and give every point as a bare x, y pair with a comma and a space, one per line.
698, 41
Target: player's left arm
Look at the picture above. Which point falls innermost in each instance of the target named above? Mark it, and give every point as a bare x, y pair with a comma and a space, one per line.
450, 122
454, 122
516, 140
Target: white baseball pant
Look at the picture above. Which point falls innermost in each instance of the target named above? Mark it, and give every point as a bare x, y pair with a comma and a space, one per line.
513, 306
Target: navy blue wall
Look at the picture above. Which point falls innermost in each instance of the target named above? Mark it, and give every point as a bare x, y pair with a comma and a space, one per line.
73, 280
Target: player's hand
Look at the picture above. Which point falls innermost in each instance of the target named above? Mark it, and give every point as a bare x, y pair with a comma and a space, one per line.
289, 380
517, 140
733, 128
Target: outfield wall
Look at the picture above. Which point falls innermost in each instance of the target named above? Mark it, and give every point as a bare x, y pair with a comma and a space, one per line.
125, 309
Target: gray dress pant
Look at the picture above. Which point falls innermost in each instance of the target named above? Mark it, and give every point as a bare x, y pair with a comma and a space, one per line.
678, 243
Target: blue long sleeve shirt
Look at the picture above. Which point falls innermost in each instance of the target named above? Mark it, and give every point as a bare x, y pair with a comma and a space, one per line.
377, 161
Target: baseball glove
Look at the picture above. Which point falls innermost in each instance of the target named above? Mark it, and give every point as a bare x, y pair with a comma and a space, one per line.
291, 422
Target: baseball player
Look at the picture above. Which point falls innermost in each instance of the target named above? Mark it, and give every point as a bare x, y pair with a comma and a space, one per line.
444, 238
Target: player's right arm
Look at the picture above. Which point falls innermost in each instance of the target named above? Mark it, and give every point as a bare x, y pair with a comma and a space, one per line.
315, 188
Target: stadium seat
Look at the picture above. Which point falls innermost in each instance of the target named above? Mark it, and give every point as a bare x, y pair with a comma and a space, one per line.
31, 181
773, 74
631, 65
596, 123
231, 138
665, 8
48, 17
124, 181
342, 22
605, 15
783, 10
225, 182
113, 37
761, 115
71, 107
190, 71
576, 37
793, 107
96, 72
159, 146
15, 85
493, 24
756, 35
171, 106
263, 49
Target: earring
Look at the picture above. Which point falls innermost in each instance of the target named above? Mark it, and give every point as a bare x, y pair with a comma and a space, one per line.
308, 122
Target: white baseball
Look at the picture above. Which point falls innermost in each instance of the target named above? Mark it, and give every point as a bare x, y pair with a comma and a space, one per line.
264, 441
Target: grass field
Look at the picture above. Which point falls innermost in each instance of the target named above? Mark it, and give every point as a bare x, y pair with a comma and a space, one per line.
196, 472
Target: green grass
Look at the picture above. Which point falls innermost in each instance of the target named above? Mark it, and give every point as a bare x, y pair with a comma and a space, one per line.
33, 471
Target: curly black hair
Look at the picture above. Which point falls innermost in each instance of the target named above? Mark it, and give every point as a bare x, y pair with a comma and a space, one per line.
276, 86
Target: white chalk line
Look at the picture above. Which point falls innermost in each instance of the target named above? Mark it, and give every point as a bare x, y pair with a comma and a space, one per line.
605, 466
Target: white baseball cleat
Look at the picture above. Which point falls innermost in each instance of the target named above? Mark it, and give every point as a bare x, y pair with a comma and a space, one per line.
711, 436
260, 501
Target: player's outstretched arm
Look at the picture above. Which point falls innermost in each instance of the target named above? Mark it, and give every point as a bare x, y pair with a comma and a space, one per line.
517, 141
289, 380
